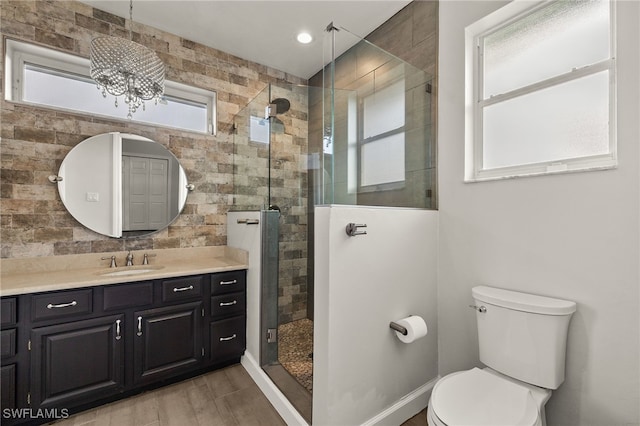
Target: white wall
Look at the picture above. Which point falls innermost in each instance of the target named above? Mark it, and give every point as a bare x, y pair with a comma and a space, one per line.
574, 236
89, 168
249, 238
361, 284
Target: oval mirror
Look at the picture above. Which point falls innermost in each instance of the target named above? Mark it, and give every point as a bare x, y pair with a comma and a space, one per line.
122, 185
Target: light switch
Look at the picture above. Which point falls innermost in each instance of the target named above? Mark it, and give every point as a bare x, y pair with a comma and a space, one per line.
93, 196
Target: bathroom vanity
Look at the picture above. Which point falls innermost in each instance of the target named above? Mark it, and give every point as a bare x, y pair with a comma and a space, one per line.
79, 337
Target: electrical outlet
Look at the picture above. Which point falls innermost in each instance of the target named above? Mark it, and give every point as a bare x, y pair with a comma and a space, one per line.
93, 197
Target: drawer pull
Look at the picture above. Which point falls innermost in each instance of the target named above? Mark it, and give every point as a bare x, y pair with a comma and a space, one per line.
228, 303
224, 339
228, 282
176, 289
62, 305
118, 336
139, 333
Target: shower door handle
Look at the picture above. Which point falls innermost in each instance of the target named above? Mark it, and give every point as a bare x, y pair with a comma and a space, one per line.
248, 221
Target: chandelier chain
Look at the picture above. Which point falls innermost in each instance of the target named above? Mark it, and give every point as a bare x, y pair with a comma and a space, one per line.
130, 20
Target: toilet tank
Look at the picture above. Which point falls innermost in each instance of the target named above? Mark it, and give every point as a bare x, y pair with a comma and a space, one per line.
522, 335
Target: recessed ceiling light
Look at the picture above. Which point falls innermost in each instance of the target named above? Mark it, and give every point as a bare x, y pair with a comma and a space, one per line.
304, 38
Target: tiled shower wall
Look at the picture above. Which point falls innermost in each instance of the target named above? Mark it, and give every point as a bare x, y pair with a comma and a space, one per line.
289, 192
35, 140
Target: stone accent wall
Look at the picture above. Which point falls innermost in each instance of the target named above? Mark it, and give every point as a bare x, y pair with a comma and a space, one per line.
35, 140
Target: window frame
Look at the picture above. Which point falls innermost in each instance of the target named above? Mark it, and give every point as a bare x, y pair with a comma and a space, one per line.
20, 54
475, 102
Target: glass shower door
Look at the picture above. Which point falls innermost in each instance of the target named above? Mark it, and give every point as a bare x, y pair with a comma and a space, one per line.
271, 161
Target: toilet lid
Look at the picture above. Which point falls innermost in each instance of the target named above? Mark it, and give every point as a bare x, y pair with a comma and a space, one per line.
476, 397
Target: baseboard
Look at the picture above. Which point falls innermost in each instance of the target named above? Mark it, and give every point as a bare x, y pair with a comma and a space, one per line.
407, 407
273, 394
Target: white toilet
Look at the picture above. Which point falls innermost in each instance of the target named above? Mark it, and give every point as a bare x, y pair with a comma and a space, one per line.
522, 340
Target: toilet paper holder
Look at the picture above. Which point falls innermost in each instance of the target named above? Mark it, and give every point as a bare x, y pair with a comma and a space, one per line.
397, 327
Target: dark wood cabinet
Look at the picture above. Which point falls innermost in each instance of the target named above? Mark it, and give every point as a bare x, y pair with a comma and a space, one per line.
8, 386
9, 350
8, 311
77, 348
61, 304
228, 338
167, 341
77, 360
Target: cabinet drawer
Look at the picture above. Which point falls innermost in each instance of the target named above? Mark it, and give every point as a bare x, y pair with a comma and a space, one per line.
8, 311
128, 295
228, 305
61, 304
182, 288
8, 343
8, 382
228, 282
227, 338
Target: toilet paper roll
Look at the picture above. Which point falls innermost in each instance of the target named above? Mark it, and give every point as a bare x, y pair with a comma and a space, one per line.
416, 328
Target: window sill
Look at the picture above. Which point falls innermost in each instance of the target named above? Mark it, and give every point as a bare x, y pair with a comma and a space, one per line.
540, 170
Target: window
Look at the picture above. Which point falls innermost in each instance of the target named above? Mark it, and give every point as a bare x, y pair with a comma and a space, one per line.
259, 129
37, 75
541, 90
382, 148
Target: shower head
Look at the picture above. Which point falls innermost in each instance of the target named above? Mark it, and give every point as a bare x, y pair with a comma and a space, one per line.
282, 105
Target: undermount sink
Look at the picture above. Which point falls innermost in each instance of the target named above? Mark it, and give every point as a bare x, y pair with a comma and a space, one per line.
130, 270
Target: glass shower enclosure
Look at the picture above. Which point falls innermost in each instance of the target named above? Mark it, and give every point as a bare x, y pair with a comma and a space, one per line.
360, 134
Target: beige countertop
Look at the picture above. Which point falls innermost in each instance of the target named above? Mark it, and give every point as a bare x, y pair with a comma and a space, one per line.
38, 274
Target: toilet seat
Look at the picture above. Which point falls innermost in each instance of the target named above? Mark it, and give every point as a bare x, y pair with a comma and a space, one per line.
480, 398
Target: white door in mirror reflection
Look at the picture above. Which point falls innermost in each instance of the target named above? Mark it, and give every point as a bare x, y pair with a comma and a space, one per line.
122, 185
146, 191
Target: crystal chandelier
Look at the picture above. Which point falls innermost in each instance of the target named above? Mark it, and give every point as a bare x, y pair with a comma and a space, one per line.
125, 68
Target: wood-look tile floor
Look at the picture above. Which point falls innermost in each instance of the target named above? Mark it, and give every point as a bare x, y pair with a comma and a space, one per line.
226, 397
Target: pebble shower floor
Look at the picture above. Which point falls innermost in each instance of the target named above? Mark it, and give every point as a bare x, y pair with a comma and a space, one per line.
295, 347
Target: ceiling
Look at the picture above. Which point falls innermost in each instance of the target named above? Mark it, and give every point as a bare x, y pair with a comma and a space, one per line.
263, 31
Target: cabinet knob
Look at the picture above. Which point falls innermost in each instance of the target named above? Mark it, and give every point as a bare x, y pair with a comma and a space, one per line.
139, 333
118, 336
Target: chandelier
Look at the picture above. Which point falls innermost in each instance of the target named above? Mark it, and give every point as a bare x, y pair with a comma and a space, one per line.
125, 68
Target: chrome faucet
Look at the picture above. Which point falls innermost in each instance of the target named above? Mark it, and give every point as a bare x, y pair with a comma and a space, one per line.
113, 261
145, 259
129, 259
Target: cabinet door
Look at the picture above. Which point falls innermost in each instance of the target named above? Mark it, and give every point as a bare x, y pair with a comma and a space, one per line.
168, 341
77, 362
